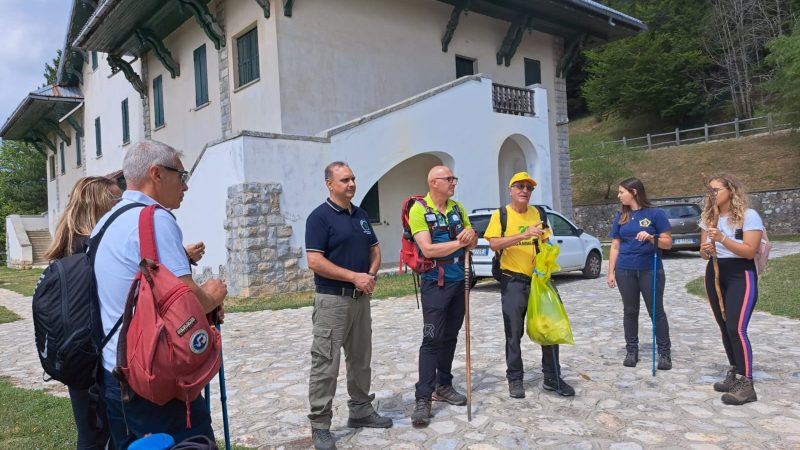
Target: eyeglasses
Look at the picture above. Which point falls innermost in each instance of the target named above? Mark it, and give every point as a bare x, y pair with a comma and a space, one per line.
523, 187
452, 180
183, 173
715, 190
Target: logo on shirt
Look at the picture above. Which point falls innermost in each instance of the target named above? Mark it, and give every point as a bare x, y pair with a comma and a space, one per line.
644, 223
523, 228
198, 343
365, 227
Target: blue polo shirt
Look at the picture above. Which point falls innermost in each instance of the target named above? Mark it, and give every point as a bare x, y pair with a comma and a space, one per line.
633, 254
344, 237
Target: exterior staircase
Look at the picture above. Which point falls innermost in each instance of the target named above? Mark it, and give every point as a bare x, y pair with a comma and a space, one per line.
40, 242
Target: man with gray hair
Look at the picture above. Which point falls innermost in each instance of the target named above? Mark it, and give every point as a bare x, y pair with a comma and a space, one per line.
155, 175
344, 255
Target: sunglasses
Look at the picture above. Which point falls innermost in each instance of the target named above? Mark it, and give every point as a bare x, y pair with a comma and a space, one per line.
183, 173
523, 187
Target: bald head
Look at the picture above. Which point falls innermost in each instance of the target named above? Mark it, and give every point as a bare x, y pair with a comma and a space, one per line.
438, 172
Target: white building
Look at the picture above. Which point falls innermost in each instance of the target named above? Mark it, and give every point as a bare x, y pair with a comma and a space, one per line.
261, 95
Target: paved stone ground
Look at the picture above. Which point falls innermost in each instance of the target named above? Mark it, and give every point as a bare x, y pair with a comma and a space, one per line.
267, 358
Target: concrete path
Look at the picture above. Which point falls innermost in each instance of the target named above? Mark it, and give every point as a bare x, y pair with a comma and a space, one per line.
267, 359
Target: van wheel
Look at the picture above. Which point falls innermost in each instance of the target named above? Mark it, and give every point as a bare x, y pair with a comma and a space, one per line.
593, 265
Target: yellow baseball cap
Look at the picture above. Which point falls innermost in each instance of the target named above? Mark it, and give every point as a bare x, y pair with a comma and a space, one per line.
521, 176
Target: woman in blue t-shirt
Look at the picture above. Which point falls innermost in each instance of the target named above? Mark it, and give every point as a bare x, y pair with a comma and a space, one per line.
735, 238
635, 231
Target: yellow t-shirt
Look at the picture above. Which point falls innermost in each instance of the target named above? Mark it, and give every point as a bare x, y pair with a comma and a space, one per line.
519, 257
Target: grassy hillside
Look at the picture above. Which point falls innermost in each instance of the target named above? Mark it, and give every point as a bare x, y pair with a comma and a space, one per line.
760, 162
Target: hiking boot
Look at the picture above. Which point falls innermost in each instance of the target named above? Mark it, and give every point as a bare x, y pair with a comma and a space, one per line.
664, 361
559, 386
726, 384
323, 439
373, 420
450, 395
516, 389
422, 412
741, 392
631, 358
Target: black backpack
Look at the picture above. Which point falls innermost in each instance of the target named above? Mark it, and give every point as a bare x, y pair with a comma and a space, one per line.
496, 274
66, 315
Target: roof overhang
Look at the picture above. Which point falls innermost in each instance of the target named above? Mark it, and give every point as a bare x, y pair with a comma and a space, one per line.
113, 26
565, 18
39, 113
70, 67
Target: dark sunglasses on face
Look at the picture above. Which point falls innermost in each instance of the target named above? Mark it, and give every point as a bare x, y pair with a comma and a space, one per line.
523, 187
183, 173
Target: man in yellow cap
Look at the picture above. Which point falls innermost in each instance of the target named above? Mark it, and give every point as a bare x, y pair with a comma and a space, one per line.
516, 245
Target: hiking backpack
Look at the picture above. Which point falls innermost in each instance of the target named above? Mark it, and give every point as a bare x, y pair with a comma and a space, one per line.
762, 253
410, 254
167, 348
496, 273
66, 315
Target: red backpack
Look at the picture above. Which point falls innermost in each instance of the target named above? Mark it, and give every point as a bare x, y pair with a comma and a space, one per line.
410, 255
167, 349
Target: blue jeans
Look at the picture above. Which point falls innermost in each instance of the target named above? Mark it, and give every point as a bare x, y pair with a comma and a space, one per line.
138, 417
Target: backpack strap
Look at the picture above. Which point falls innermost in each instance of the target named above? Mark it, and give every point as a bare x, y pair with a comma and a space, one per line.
503, 224
147, 234
94, 242
545, 225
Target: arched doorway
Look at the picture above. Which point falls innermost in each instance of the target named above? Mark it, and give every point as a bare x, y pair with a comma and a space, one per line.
382, 199
517, 154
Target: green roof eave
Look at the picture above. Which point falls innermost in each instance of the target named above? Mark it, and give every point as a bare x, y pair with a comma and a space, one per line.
112, 27
34, 112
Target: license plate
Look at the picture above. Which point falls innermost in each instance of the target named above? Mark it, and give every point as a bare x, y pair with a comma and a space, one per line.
481, 251
685, 241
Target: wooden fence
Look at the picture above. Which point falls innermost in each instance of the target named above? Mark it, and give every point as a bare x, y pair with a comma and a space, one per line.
735, 129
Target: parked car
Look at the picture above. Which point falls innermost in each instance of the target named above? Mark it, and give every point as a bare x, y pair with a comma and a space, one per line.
684, 219
579, 250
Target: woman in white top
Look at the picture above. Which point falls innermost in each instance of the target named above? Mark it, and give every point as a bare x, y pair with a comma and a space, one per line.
735, 238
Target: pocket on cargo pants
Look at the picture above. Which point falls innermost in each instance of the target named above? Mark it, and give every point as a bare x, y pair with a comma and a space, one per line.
322, 345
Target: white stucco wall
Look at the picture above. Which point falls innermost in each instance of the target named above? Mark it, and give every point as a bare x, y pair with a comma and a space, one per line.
255, 106
340, 60
186, 127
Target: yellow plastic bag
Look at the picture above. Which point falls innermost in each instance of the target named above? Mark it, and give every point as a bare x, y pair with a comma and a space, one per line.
546, 320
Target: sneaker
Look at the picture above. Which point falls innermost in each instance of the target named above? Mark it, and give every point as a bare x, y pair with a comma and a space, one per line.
742, 392
450, 395
422, 412
726, 384
373, 420
516, 389
322, 439
631, 358
559, 386
664, 361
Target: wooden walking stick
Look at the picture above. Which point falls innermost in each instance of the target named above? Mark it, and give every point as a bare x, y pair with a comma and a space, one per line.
714, 259
467, 273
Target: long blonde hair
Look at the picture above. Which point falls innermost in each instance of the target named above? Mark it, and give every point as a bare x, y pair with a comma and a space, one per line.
91, 197
739, 201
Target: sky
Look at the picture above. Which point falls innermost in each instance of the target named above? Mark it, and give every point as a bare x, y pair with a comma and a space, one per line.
32, 32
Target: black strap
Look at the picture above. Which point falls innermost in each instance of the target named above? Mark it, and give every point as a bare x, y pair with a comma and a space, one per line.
503, 224
94, 241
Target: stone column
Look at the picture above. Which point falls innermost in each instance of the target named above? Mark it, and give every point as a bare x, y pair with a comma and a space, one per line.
562, 133
260, 259
224, 75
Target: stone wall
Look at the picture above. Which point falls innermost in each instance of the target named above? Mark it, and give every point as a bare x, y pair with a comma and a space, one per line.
260, 260
779, 209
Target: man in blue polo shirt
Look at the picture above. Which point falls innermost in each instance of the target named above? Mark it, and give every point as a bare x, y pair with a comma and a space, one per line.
344, 255
155, 175
443, 233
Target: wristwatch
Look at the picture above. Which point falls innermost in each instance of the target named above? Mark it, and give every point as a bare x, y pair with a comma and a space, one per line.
373, 275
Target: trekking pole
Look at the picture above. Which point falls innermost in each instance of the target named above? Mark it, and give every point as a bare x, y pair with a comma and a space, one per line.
467, 254
653, 309
223, 397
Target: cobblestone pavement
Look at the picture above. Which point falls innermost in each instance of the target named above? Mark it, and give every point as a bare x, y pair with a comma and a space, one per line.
267, 359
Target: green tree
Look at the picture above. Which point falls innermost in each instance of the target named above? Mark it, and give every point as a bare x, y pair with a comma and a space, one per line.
23, 183
785, 83
51, 71
657, 72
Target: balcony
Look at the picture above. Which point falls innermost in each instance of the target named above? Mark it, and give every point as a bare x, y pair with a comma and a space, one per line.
512, 100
